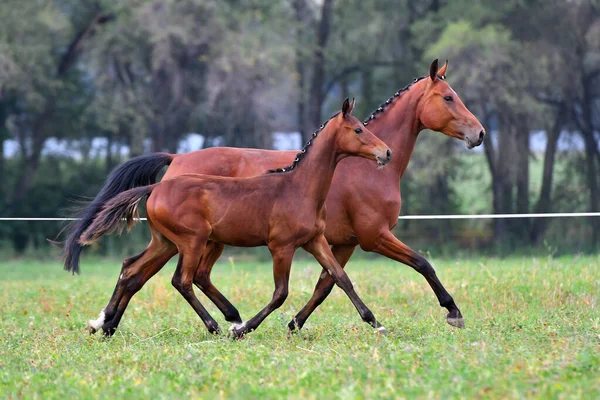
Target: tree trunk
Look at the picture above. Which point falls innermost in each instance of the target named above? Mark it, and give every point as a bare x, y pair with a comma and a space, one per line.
136, 141
109, 155
29, 168
544, 203
591, 147
300, 12
316, 89
592, 182
522, 177
3, 137
497, 182
2, 175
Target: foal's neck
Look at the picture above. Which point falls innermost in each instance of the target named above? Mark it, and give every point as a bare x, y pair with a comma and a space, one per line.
398, 125
313, 175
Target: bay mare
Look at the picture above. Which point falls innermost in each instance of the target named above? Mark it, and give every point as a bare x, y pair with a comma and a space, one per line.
362, 206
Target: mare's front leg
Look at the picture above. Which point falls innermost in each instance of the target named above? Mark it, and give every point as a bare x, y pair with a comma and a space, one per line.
325, 284
388, 245
282, 263
319, 248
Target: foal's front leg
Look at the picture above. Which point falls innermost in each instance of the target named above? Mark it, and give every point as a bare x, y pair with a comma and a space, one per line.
282, 263
319, 248
323, 287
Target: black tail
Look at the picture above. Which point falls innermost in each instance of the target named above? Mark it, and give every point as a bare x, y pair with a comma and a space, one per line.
139, 171
118, 213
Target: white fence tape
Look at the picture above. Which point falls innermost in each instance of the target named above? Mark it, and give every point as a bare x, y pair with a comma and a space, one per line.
420, 217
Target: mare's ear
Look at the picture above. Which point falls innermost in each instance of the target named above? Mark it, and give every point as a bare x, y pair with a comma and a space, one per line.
442, 71
346, 107
433, 70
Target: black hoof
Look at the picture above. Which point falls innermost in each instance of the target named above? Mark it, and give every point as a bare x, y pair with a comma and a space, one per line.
293, 326
109, 330
215, 330
455, 319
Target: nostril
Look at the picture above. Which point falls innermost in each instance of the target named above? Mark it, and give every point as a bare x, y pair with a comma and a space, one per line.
481, 135
389, 154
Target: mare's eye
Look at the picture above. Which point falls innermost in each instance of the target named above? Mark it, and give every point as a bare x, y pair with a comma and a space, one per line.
358, 130
448, 98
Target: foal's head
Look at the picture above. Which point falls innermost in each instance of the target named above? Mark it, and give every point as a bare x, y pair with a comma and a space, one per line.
353, 138
440, 109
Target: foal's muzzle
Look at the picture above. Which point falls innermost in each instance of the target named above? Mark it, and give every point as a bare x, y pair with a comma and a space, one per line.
383, 160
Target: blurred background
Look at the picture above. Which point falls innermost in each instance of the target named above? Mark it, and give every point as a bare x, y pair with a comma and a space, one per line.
85, 85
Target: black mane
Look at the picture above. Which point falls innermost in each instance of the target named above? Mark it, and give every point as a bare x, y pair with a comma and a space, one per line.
386, 103
378, 110
304, 149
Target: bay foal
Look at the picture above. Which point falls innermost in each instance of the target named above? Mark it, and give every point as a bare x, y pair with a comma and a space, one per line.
283, 210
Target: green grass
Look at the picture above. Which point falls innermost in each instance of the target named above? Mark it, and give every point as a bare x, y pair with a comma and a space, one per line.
533, 330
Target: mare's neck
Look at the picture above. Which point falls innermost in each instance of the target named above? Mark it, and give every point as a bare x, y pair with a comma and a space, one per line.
398, 125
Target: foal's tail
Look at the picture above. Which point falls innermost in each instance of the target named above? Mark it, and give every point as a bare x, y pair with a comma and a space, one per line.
139, 171
118, 213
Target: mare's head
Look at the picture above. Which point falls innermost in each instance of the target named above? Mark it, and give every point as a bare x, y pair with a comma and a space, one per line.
440, 109
353, 138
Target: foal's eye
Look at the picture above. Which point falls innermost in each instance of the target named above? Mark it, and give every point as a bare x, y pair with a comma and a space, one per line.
358, 130
448, 98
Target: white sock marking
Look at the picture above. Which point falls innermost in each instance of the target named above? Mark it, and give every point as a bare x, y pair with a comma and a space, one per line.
237, 326
97, 324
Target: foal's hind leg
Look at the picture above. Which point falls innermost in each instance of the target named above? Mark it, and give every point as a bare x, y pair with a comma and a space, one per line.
202, 280
136, 271
189, 259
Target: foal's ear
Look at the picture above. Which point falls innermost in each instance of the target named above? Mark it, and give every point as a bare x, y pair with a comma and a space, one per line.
433, 70
351, 107
442, 71
346, 107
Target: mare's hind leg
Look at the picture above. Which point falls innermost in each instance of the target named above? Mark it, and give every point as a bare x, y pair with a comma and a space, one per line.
136, 271
323, 287
202, 281
189, 259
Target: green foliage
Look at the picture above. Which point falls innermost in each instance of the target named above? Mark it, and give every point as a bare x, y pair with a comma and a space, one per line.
144, 73
532, 331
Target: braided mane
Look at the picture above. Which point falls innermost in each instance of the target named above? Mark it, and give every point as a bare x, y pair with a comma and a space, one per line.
378, 110
302, 152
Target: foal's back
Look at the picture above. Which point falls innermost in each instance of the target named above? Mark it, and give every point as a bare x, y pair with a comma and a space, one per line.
236, 211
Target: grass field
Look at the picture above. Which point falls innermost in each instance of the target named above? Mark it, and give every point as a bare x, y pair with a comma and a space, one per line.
533, 330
